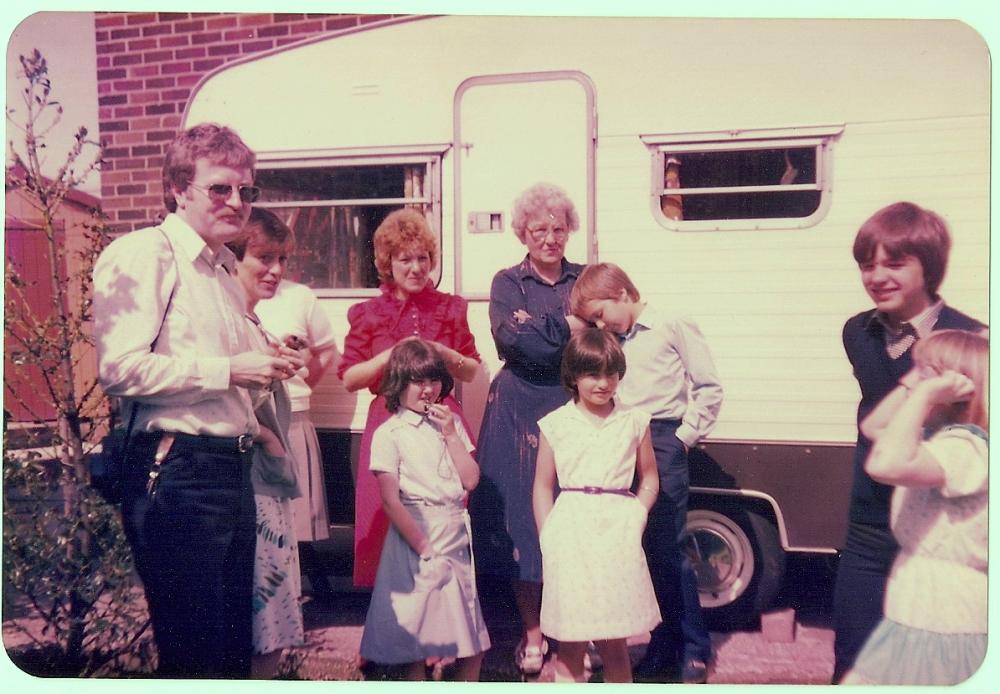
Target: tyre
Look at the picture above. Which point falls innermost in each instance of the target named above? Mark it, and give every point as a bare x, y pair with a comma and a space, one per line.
739, 562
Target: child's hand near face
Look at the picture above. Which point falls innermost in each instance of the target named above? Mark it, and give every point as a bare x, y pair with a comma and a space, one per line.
946, 388
443, 417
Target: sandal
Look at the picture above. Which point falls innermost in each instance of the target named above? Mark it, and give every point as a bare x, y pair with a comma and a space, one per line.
529, 659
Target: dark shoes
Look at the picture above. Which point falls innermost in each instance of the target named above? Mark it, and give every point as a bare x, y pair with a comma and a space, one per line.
658, 667
694, 671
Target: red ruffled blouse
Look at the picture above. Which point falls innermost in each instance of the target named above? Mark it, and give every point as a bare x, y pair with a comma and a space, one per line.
379, 323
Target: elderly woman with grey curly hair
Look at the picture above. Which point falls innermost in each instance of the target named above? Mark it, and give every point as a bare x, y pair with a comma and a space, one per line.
531, 323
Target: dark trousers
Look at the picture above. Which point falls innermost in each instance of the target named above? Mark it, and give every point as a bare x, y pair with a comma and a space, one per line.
859, 591
193, 544
683, 634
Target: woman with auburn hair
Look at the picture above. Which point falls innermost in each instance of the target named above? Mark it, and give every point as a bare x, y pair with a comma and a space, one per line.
406, 254
531, 322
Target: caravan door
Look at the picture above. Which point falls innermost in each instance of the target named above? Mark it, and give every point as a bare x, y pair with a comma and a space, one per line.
513, 131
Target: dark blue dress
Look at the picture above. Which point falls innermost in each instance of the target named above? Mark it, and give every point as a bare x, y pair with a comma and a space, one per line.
526, 389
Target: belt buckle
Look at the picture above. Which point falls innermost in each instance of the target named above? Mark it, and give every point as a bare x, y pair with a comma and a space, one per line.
244, 442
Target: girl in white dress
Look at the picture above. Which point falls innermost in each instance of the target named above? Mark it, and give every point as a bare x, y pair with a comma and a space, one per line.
596, 582
424, 609
930, 441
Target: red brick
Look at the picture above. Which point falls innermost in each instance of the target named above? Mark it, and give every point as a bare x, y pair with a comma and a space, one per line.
161, 83
145, 124
173, 122
144, 97
113, 74
157, 29
173, 16
220, 22
285, 17
197, 52
174, 41
128, 112
133, 215
175, 94
161, 56
189, 27
161, 136
160, 109
141, 44
290, 39
109, 19
113, 178
278, 30
187, 80
369, 18
100, 36
127, 85
157, 162
256, 46
238, 35
126, 59
201, 39
124, 33
314, 26
105, 48
175, 68
143, 18
145, 175
145, 70
131, 163
131, 189
112, 99
106, 113
106, 190
103, 61
208, 64
223, 49
148, 201
254, 20
130, 138
113, 126
341, 23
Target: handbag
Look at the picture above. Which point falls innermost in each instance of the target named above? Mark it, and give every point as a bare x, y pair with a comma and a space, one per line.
107, 467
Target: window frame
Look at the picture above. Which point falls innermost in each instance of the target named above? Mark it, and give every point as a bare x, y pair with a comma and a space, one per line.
429, 155
662, 145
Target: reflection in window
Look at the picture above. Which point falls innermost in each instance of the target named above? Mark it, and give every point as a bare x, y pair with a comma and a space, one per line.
334, 212
774, 182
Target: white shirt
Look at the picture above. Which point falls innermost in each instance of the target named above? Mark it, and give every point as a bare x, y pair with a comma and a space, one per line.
294, 310
670, 373
938, 581
411, 447
182, 383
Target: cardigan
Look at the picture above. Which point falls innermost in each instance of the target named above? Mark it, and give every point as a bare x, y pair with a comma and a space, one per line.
878, 375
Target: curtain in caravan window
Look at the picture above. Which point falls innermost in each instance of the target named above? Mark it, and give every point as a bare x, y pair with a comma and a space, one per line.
345, 205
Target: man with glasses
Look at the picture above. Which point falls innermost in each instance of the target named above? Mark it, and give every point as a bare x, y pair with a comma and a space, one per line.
172, 342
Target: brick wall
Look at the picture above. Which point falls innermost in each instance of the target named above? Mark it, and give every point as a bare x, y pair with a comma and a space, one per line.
147, 63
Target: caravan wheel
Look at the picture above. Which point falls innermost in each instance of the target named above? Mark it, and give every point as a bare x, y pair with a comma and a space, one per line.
739, 562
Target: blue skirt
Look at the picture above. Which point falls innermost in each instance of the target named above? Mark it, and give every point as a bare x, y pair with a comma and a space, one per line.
503, 522
898, 654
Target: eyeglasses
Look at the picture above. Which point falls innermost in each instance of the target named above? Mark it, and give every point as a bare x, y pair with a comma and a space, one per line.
540, 233
220, 192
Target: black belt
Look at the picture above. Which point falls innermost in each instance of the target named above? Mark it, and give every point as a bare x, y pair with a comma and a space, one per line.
234, 445
597, 490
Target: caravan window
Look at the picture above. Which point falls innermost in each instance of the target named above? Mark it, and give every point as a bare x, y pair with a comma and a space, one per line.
334, 209
739, 182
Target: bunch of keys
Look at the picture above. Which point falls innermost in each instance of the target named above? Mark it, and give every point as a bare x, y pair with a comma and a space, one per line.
162, 450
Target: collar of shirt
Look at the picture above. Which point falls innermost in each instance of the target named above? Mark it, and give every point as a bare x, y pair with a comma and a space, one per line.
191, 245
414, 419
577, 413
527, 272
644, 322
922, 323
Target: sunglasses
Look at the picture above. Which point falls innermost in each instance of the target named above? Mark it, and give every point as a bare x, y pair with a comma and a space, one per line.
220, 192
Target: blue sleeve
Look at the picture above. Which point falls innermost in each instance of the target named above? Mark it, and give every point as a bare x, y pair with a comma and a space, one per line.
539, 339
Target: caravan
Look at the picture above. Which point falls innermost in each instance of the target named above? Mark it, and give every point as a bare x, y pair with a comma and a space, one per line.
725, 164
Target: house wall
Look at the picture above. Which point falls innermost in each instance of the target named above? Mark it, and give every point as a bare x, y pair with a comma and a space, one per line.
147, 63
